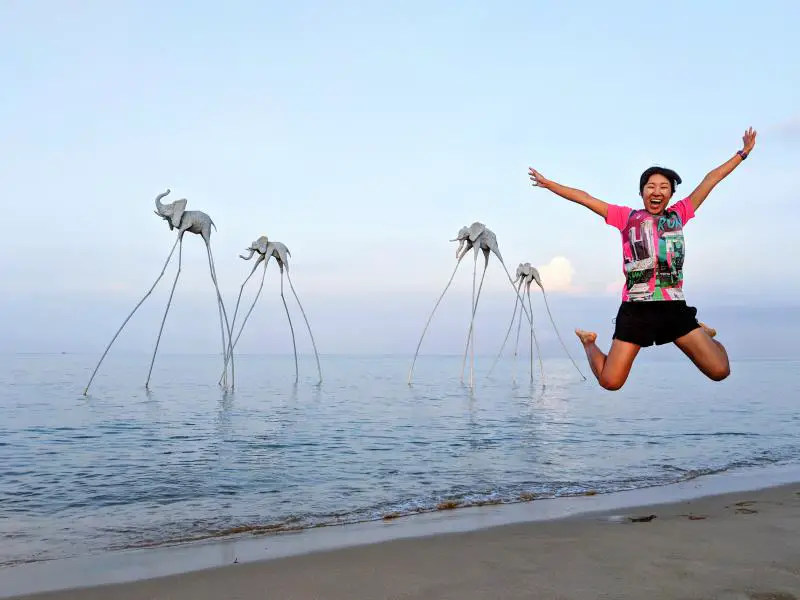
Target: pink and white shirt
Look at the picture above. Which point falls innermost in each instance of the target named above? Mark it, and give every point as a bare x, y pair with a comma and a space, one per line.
653, 250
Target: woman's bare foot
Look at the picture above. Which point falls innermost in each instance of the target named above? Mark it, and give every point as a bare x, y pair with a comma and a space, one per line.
586, 337
709, 330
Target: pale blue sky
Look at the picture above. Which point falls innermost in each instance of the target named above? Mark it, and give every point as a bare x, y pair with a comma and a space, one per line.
363, 135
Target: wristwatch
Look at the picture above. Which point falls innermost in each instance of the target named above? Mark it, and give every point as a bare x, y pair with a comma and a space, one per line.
742, 153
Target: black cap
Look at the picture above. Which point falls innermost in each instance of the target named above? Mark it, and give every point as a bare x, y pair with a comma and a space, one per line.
671, 175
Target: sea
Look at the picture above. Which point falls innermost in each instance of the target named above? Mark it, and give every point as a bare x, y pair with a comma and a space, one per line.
127, 467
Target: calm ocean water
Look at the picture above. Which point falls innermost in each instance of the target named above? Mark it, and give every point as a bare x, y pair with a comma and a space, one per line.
125, 468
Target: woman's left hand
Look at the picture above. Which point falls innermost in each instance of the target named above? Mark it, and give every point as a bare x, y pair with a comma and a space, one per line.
749, 140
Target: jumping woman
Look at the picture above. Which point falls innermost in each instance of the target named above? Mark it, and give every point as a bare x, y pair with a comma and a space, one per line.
653, 308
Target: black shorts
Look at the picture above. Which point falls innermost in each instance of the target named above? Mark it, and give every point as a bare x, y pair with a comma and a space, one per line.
654, 322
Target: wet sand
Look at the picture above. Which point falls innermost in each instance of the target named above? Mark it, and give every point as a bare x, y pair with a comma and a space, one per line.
738, 545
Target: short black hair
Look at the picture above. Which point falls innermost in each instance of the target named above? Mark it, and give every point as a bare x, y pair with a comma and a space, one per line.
672, 176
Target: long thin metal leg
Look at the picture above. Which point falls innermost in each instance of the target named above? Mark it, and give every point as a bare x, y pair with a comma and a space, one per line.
229, 350
563, 345
223, 378
425, 329
472, 313
530, 341
164, 318
291, 328
224, 347
534, 341
135, 308
471, 338
225, 353
239, 299
508, 332
313, 343
516, 349
236, 340
472, 326
221, 325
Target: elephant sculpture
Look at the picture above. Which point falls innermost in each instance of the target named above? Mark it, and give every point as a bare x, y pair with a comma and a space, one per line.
177, 217
193, 221
477, 237
527, 274
266, 249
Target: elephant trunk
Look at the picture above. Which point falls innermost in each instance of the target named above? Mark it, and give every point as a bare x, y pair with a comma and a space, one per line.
159, 205
461, 243
249, 256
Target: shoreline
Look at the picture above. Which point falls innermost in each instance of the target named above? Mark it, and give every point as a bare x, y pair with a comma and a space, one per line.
248, 531
193, 559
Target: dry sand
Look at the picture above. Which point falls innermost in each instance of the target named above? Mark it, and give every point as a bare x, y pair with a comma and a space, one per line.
741, 545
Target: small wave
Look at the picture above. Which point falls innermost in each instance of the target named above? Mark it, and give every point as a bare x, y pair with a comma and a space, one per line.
668, 436
412, 507
195, 531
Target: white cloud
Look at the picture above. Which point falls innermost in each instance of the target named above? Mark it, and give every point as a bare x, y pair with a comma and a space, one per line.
557, 275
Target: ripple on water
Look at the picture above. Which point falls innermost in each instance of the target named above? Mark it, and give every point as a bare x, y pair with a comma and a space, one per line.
124, 469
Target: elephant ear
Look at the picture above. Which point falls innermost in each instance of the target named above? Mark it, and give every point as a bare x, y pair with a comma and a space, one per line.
475, 231
490, 239
261, 244
178, 207
269, 249
536, 277
283, 254
527, 270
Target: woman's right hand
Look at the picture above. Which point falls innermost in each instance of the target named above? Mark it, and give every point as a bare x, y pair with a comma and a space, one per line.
538, 179
571, 194
749, 140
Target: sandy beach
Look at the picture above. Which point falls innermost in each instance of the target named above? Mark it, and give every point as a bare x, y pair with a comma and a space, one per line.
737, 545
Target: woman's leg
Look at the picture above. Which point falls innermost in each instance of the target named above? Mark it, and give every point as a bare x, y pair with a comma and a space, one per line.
705, 352
611, 370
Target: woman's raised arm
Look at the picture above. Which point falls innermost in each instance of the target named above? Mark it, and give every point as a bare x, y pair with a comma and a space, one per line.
571, 194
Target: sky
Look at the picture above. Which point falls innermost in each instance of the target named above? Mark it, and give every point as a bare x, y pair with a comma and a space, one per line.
363, 135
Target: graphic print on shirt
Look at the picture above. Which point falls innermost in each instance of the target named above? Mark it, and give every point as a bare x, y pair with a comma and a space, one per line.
654, 251
640, 257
